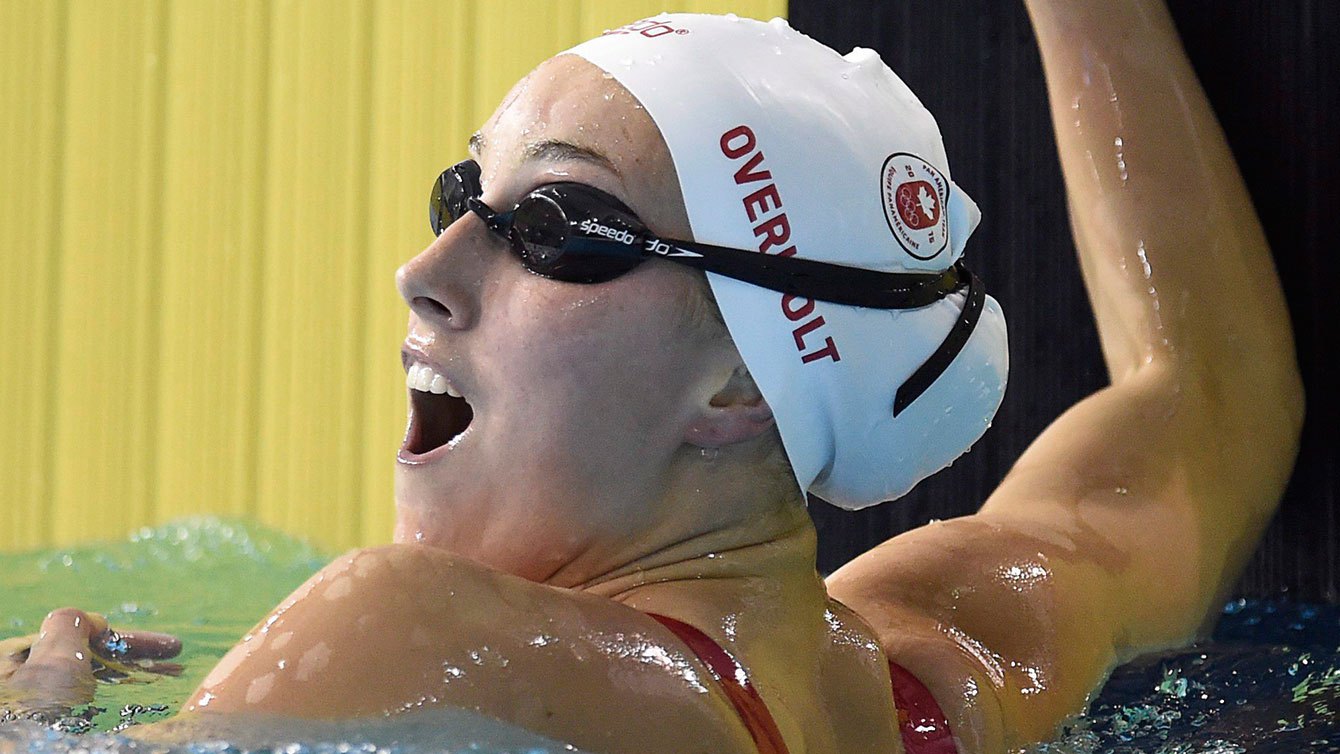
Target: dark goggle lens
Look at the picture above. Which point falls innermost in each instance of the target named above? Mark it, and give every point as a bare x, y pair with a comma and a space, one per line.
539, 229
552, 244
540, 233
448, 201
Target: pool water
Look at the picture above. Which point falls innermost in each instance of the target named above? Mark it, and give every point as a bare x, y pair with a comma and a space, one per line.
1268, 682
205, 580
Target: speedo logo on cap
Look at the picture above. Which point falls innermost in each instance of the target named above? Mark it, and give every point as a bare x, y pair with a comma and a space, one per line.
650, 28
614, 234
914, 195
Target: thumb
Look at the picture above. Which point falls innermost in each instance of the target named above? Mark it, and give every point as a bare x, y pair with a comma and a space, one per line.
64, 637
58, 672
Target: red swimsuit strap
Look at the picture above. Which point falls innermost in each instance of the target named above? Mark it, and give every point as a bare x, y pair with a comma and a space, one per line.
923, 725
734, 680
920, 720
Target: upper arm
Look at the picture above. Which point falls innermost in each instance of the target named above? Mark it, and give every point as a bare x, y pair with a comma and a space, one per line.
398, 628
1117, 532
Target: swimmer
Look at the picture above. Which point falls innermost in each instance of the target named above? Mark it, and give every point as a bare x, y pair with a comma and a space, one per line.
601, 532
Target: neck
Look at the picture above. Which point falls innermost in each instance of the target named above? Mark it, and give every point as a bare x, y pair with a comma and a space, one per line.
752, 587
774, 544
722, 518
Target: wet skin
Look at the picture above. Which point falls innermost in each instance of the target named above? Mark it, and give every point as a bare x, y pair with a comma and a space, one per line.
580, 497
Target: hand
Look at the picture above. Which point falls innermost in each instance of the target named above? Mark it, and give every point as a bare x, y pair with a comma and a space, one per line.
58, 668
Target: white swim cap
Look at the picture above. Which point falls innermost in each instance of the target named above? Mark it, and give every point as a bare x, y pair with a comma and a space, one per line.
784, 146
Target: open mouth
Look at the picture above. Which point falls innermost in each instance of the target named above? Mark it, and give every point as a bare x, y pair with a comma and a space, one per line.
438, 415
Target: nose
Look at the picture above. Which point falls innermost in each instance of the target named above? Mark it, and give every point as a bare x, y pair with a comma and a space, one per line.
442, 283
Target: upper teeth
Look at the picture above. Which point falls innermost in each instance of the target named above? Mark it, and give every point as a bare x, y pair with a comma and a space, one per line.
422, 377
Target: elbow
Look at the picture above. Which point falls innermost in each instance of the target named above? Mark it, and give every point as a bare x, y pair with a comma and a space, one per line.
1261, 406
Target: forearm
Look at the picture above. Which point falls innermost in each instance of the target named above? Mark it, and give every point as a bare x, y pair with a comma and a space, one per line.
1173, 256
1174, 259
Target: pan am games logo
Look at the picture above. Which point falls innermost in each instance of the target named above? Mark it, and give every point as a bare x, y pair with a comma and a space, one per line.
914, 195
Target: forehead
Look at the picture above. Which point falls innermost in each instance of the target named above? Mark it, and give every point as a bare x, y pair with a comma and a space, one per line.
569, 102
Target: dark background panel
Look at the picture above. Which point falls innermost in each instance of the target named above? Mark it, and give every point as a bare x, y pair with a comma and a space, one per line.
1270, 70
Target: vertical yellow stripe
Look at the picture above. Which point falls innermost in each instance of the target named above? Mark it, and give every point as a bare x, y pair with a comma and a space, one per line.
314, 297
212, 211
511, 37
202, 206
32, 95
108, 262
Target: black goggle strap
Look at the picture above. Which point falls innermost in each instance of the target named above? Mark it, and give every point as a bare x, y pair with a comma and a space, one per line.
498, 222
842, 285
859, 287
801, 277
822, 281
868, 288
939, 361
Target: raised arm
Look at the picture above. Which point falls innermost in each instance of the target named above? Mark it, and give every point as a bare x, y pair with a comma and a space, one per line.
1122, 527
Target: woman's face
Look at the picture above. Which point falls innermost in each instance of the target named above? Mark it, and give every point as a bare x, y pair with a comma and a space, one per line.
580, 394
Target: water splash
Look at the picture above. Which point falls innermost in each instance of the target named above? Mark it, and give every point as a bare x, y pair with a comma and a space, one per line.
152, 581
1269, 683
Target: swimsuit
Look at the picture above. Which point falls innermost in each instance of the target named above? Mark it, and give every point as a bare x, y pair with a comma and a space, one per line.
923, 725
920, 720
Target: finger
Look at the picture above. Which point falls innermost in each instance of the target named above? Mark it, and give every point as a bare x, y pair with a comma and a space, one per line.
64, 638
13, 652
58, 672
150, 645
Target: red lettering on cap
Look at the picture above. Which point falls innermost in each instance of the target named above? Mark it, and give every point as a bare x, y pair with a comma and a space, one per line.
731, 136
794, 312
758, 201
748, 174
829, 350
764, 207
774, 232
650, 28
800, 332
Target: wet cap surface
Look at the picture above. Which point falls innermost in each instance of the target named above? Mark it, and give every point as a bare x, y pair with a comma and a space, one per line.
785, 146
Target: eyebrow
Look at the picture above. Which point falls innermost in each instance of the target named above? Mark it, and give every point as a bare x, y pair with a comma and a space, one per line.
549, 150
557, 150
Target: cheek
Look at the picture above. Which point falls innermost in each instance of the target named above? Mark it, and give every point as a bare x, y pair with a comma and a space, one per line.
615, 349
553, 331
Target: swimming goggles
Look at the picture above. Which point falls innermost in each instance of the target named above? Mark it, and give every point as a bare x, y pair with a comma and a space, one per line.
577, 233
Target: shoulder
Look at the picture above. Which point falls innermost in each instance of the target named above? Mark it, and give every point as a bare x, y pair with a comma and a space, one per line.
403, 627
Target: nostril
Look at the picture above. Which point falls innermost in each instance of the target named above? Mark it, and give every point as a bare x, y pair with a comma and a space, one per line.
430, 306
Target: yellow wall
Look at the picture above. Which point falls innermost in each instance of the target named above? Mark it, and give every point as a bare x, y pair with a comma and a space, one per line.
202, 205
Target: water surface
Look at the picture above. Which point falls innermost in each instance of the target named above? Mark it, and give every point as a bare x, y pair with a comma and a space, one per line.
1268, 682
